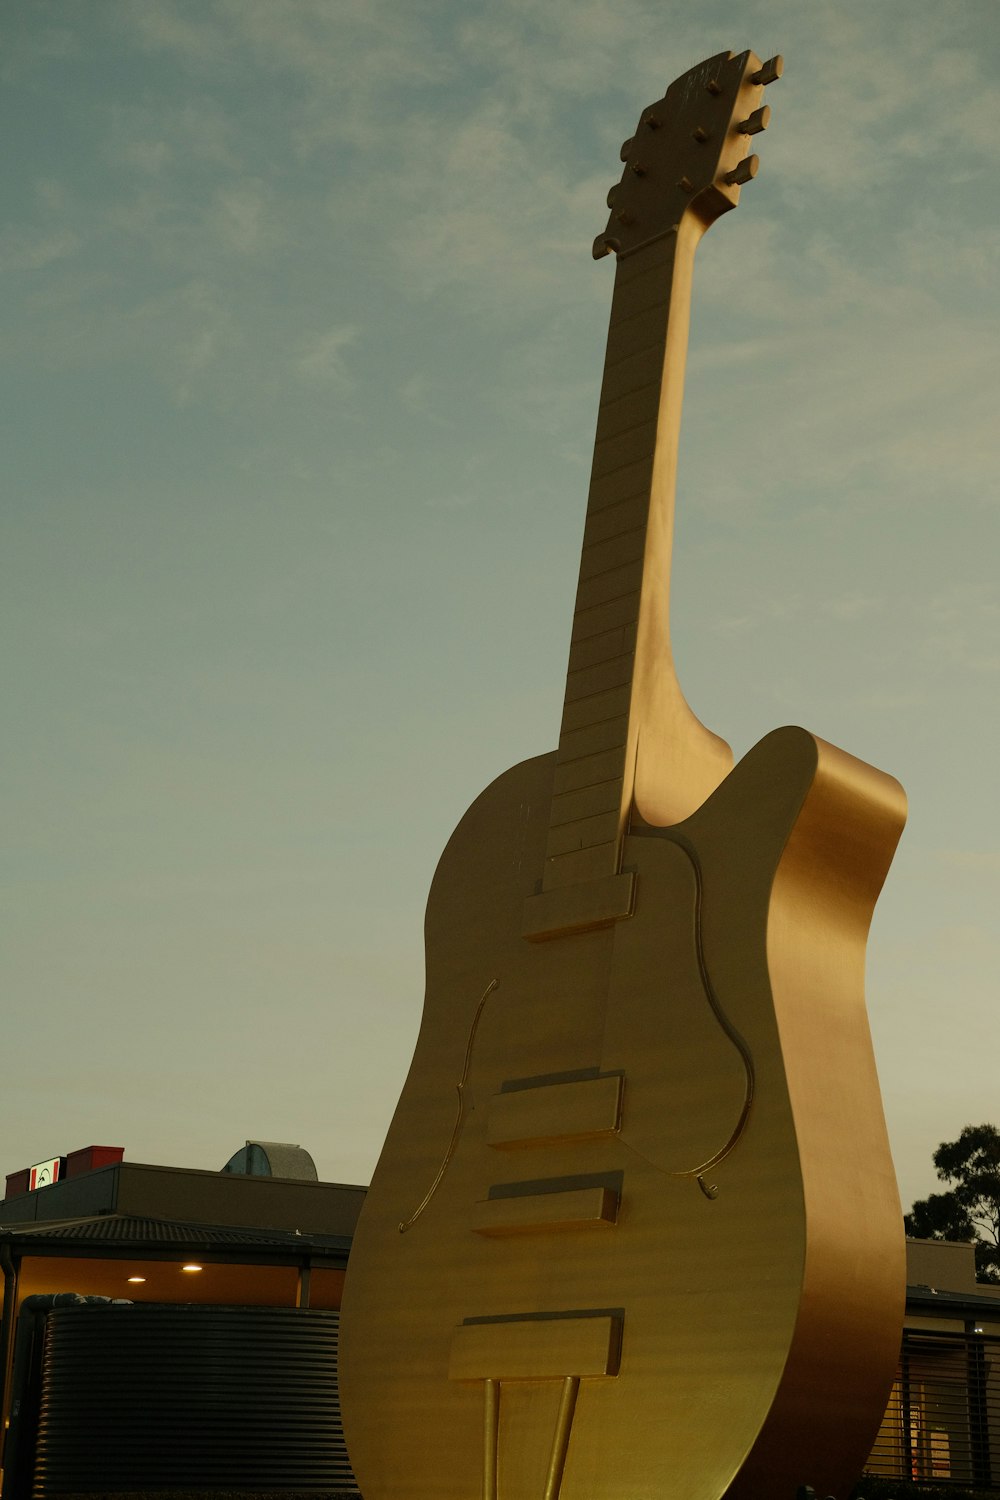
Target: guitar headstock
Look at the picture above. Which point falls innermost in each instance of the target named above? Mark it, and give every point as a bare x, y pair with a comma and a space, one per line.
689, 151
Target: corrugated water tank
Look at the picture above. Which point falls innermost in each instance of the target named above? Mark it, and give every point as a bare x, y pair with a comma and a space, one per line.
191, 1398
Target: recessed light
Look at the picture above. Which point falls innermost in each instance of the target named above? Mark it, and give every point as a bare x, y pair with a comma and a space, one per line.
137, 1278
191, 1267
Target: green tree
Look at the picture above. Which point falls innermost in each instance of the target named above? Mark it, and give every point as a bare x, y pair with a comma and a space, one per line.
970, 1209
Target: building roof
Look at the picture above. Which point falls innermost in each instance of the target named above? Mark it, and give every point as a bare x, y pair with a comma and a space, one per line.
138, 1190
930, 1296
134, 1231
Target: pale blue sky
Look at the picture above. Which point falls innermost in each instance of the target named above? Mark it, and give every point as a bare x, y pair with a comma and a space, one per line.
301, 352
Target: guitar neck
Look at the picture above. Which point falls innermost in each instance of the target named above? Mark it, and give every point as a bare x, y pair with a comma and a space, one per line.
630, 749
628, 740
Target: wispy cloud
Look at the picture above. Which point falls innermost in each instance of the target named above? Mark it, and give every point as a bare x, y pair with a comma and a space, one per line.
305, 40
30, 250
30, 49
188, 134
161, 25
150, 157
427, 398
321, 357
241, 220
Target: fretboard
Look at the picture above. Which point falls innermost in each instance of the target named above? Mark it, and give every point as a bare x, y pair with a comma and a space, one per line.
628, 738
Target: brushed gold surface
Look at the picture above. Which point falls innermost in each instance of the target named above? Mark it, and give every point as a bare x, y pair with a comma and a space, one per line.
538, 1213
560, 1442
783, 1294
574, 908
697, 939
577, 1109
536, 1348
491, 1438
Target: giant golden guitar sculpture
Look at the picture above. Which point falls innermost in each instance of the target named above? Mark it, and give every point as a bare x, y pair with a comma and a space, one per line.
635, 1233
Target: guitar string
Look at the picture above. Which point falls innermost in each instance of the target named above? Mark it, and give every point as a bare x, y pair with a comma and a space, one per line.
459, 1118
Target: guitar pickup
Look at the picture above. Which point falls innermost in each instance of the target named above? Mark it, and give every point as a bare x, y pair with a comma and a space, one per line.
554, 1113
549, 1205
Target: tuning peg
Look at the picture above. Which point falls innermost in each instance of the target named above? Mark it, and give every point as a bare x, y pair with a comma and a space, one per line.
651, 121
700, 134
743, 172
626, 150
601, 247
637, 168
770, 72
612, 194
755, 123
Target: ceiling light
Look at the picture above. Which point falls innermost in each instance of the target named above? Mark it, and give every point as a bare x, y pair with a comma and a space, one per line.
191, 1267
137, 1278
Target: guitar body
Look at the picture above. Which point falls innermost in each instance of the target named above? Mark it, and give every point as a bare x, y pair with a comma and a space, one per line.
737, 1319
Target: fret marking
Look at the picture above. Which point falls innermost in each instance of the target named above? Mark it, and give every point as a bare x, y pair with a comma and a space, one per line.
590, 710
598, 473
606, 589
583, 610
645, 349
629, 393
627, 541
627, 323
623, 532
601, 661
586, 801
619, 641
594, 723
598, 677
619, 615
607, 490
587, 770
595, 739
614, 437
572, 866
630, 513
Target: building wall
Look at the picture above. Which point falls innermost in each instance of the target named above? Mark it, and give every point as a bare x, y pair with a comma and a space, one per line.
942, 1422
947, 1266
193, 1197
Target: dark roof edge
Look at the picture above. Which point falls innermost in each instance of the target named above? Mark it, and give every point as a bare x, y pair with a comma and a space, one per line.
110, 1227
148, 1166
939, 1297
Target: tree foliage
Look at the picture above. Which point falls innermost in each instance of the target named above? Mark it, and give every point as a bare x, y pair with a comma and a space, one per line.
970, 1209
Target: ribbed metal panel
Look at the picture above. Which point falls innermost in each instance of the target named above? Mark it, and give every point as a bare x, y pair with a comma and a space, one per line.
190, 1397
942, 1424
